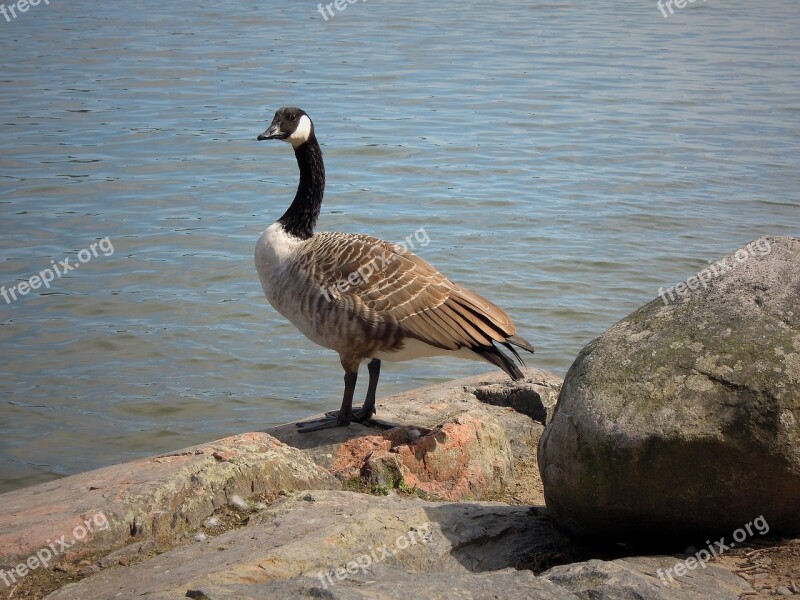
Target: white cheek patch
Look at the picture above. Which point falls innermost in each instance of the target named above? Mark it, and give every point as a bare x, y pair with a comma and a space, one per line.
302, 133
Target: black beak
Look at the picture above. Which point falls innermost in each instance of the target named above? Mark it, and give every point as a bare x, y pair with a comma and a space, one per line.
273, 133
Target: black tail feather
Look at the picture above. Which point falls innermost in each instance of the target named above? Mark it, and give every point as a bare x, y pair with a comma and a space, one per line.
496, 357
514, 352
520, 342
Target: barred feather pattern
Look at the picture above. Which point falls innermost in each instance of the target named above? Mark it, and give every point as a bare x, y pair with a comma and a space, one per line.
365, 297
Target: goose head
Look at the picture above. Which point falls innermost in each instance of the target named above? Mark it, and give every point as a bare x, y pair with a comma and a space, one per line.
291, 125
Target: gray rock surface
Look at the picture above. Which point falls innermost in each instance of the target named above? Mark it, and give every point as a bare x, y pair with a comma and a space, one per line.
320, 533
392, 583
592, 580
682, 419
637, 577
344, 545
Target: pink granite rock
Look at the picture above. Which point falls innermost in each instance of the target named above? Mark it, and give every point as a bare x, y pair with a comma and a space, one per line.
153, 498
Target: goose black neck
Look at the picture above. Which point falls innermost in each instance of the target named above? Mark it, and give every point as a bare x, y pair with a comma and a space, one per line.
301, 217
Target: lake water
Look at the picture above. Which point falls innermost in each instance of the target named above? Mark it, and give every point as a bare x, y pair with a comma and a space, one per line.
566, 159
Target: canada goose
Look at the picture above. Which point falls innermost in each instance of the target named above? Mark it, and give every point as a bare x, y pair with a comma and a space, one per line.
363, 297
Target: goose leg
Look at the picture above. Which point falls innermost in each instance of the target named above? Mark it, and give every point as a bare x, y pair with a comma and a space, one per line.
366, 411
341, 418
365, 414
346, 414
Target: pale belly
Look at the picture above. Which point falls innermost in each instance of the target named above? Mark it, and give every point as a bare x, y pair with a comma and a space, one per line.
302, 309
273, 256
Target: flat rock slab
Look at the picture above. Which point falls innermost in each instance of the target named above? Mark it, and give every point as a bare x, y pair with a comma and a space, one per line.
322, 534
154, 498
454, 441
391, 583
514, 405
644, 577
325, 544
593, 580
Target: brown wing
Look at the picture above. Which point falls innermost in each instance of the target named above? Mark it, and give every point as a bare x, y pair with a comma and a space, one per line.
381, 282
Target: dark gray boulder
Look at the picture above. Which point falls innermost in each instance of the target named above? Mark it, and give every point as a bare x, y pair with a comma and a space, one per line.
681, 421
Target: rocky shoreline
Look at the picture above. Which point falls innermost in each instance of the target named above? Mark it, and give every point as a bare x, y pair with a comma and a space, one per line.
451, 502
253, 516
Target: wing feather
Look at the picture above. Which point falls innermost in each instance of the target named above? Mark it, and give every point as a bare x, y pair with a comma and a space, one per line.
375, 282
